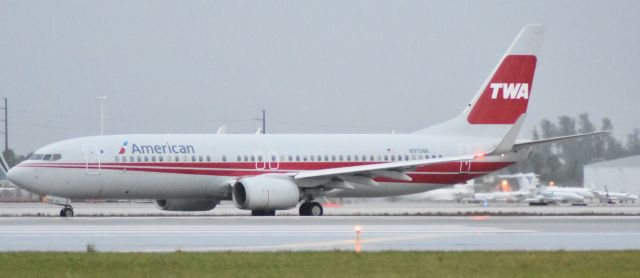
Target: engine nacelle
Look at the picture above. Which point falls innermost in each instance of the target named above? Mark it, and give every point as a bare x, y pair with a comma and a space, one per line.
265, 193
186, 204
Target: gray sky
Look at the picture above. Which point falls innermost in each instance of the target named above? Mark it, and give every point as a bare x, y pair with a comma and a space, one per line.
316, 66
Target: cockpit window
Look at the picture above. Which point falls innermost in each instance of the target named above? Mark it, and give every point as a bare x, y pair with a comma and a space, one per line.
46, 157
36, 156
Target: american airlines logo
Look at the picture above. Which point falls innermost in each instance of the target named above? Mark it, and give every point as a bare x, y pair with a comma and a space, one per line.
510, 90
157, 149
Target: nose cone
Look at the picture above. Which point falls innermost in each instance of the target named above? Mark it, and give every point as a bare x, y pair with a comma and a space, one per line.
18, 176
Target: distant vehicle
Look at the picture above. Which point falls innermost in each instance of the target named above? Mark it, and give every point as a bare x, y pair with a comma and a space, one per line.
264, 173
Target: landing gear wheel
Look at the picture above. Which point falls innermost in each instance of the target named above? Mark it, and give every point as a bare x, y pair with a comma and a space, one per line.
67, 211
311, 209
258, 212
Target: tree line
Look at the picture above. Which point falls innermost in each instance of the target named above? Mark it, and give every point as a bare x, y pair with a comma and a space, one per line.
563, 162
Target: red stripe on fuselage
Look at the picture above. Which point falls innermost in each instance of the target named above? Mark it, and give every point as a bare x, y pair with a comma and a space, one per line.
443, 173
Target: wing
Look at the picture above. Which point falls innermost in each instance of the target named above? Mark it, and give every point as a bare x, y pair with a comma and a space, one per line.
365, 173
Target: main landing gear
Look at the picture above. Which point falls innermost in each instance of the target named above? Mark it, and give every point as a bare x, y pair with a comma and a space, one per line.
66, 211
311, 209
258, 212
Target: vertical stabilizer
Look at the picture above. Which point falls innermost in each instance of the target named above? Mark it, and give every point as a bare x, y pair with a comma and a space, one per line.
504, 96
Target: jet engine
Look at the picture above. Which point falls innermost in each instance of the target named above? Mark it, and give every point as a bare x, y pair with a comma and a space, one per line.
186, 204
265, 193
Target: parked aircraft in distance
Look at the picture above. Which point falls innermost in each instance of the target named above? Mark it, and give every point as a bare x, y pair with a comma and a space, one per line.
265, 173
457, 193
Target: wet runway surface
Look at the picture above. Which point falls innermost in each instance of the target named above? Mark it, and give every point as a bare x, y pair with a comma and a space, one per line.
245, 233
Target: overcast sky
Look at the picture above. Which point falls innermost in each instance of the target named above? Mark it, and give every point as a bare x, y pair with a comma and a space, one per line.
316, 66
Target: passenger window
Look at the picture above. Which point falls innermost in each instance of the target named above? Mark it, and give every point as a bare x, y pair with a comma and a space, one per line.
355, 158
153, 158
200, 158
246, 158
413, 157
333, 158
364, 157
239, 158
253, 158
348, 157
260, 158
139, 159
146, 158
406, 157
297, 158
209, 158
177, 158
224, 158
281, 157
311, 158
290, 158
193, 158
341, 157
433, 156
386, 158
319, 158
161, 158
124, 159
304, 158
132, 158
393, 157
440, 156
117, 159
371, 158
326, 157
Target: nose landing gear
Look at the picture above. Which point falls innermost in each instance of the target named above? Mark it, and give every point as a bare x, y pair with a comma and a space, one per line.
66, 211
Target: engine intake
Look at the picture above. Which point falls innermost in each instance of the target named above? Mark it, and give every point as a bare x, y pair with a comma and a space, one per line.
186, 204
265, 193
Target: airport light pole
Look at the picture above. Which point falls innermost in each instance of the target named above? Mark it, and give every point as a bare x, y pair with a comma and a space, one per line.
102, 99
264, 121
6, 124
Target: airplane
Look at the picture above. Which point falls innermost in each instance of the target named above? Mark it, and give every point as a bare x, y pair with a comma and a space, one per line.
527, 190
268, 172
456, 193
612, 197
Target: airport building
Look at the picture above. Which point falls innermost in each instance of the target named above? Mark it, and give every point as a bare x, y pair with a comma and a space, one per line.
619, 175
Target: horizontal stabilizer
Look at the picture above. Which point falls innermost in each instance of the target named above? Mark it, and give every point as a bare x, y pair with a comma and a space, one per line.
556, 140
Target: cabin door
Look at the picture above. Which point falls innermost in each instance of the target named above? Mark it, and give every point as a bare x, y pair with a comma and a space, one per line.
92, 159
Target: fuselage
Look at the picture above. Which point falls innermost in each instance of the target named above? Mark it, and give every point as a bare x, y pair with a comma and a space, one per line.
158, 166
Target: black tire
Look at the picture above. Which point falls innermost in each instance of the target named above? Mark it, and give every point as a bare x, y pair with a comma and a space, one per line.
304, 209
67, 212
315, 209
259, 212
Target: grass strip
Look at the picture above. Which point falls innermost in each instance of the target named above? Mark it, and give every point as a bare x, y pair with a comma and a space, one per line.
323, 264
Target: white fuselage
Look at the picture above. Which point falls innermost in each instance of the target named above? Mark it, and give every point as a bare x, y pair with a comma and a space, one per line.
204, 166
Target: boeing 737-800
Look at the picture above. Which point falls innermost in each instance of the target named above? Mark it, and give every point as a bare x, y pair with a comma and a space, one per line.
265, 173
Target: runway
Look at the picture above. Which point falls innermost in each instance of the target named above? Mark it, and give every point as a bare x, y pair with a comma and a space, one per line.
294, 233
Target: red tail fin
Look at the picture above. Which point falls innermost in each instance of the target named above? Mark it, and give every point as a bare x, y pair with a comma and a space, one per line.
506, 96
